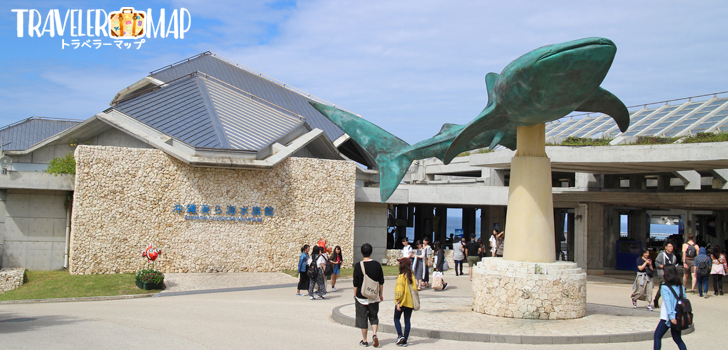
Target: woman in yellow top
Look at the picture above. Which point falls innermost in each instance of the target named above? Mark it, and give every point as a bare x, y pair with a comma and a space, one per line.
404, 303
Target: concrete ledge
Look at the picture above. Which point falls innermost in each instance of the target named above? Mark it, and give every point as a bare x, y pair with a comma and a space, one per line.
341, 318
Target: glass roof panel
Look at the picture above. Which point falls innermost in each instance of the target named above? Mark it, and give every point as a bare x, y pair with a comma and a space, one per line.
564, 124
575, 126
633, 131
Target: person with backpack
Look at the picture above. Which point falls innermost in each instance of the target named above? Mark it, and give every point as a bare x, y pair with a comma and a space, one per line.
703, 265
671, 291
315, 269
303, 280
690, 251
406, 300
368, 291
664, 258
718, 270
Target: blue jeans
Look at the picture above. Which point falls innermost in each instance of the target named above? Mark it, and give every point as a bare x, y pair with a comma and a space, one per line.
661, 330
459, 262
407, 314
703, 285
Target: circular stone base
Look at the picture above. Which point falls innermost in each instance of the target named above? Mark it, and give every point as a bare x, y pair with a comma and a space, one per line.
514, 289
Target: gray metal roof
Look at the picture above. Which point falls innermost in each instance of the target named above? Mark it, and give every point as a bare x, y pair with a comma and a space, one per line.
205, 112
21, 135
254, 83
687, 117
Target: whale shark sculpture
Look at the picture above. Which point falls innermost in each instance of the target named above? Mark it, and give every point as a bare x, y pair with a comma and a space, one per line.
543, 85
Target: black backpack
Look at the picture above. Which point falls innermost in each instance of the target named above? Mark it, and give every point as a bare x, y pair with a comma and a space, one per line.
703, 269
690, 252
312, 270
683, 311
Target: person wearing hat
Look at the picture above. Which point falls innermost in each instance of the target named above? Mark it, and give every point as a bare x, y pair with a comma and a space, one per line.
404, 300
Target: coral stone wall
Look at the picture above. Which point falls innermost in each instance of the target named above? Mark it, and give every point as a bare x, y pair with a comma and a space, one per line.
11, 279
126, 198
554, 291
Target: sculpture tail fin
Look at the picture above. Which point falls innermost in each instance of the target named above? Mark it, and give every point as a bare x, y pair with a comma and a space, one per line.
389, 151
391, 173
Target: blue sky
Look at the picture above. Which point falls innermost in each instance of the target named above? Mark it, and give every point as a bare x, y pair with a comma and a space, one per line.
408, 66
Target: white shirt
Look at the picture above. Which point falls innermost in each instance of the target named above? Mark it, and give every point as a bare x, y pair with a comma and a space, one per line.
406, 251
458, 251
493, 244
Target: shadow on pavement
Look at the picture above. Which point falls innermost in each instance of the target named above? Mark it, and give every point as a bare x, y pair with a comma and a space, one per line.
15, 323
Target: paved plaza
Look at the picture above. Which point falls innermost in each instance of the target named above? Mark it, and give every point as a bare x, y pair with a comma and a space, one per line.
260, 311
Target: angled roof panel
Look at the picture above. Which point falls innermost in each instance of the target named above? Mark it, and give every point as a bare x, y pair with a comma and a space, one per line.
25, 133
178, 110
247, 122
254, 83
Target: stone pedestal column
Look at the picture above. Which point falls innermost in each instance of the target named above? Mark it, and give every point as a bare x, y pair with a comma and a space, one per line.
530, 218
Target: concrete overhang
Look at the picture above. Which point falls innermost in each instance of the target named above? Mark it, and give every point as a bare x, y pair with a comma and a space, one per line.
622, 159
27, 180
438, 194
217, 158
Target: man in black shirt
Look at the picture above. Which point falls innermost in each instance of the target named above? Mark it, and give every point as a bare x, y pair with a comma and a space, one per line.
367, 309
472, 251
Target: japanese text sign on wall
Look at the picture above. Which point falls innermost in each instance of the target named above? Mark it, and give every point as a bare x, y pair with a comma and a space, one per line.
222, 213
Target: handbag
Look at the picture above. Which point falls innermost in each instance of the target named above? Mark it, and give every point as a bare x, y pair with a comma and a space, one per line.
415, 297
437, 281
369, 287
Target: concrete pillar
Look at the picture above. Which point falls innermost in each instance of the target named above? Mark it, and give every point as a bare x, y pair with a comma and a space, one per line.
370, 227
3, 196
401, 219
581, 255
428, 222
531, 220
441, 214
610, 235
469, 221
420, 224
637, 182
638, 226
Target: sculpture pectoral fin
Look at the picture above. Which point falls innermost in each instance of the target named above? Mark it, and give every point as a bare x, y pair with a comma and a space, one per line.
490, 79
605, 102
490, 118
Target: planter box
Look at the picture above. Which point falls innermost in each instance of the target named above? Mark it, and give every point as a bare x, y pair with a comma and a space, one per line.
149, 286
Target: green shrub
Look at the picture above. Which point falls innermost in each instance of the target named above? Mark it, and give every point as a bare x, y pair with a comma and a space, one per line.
149, 276
582, 141
706, 137
477, 151
654, 140
65, 165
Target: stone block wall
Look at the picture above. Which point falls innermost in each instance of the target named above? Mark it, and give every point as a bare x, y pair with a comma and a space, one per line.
11, 279
556, 291
125, 199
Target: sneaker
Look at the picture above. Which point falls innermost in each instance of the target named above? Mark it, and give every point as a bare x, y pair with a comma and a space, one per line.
649, 308
311, 298
400, 340
634, 303
321, 297
403, 344
375, 341
333, 289
299, 295
363, 343
445, 286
